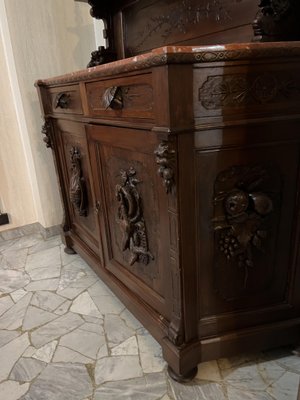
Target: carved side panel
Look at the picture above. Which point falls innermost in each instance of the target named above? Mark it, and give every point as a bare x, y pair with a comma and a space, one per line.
243, 213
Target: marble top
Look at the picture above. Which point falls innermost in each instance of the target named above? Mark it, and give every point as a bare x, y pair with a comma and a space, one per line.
180, 55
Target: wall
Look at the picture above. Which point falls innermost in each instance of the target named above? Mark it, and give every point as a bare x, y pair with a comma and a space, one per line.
47, 38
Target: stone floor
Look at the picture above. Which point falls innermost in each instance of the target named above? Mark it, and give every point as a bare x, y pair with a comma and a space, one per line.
65, 336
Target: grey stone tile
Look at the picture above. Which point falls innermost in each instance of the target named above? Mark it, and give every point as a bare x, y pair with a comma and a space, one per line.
15, 258
100, 289
45, 244
65, 355
116, 330
61, 382
258, 376
130, 320
10, 390
11, 280
35, 317
150, 353
55, 329
285, 388
127, 348
236, 361
85, 342
108, 304
150, 387
47, 300
26, 369
291, 363
10, 353
18, 294
84, 304
46, 352
13, 318
46, 284
49, 272
27, 241
5, 304
117, 368
7, 336
63, 308
96, 328
204, 390
236, 394
43, 259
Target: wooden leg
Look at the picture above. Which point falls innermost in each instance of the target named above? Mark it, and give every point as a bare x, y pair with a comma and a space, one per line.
183, 378
69, 250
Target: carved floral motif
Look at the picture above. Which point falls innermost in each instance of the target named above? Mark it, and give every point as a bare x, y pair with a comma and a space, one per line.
46, 130
77, 189
238, 90
241, 212
130, 218
165, 158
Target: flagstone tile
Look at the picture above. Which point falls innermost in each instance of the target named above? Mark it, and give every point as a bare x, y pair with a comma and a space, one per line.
18, 294
127, 348
150, 353
209, 371
47, 300
65, 355
55, 329
85, 342
116, 330
45, 284
10, 353
15, 259
150, 387
12, 319
236, 394
43, 259
285, 388
61, 381
63, 308
35, 317
205, 391
117, 368
45, 244
26, 369
7, 336
5, 303
84, 304
11, 280
46, 352
11, 390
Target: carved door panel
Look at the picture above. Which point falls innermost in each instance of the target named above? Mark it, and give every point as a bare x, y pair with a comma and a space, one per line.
134, 208
77, 183
246, 227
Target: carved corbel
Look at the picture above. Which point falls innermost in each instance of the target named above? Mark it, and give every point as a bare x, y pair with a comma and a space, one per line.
130, 218
77, 190
46, 130
165, 158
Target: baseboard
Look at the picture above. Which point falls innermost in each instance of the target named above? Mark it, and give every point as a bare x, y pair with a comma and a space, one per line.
30, 229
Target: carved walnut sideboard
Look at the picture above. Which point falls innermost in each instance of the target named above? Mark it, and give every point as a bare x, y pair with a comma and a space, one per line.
179, 175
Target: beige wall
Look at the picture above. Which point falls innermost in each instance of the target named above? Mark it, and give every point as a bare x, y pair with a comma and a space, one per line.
48, 38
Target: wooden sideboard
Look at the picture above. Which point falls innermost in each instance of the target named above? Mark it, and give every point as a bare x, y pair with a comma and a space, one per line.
179, 175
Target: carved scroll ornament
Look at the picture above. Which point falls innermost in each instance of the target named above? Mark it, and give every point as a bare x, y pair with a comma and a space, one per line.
130, 218
77, 190
165, 158
241, 225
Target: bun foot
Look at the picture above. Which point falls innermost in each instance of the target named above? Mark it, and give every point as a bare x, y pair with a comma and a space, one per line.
69, 250
185, 378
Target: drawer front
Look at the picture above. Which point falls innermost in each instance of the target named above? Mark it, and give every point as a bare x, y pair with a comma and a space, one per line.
130, 97
65, 100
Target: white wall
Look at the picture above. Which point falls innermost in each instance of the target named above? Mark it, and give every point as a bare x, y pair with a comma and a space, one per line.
47, 38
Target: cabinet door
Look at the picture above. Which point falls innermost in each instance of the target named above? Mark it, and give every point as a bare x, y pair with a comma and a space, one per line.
134, 211
82, 205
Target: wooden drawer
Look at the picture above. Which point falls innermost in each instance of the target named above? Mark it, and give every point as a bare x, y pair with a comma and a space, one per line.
65, 100
129, 97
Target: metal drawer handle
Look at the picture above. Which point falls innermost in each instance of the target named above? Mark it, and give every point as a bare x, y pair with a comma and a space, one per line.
113, 98
62, 100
